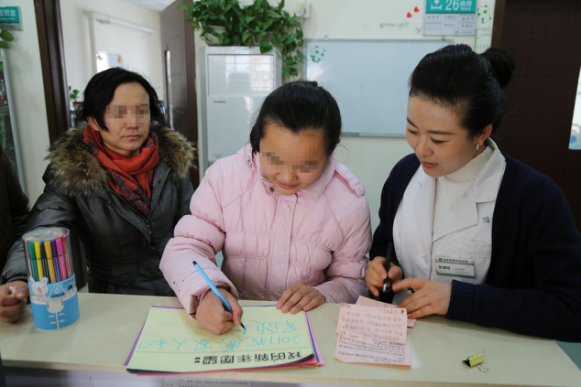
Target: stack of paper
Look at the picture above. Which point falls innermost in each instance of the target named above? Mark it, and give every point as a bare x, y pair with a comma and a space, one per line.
172, 342
364, 301
372, 335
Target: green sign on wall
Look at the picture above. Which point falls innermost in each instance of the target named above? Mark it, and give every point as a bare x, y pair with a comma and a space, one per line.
450, 6
10, 18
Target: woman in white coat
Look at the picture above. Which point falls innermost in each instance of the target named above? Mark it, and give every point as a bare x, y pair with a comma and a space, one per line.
481, 237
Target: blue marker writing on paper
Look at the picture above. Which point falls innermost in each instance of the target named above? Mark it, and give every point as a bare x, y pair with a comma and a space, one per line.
215, 290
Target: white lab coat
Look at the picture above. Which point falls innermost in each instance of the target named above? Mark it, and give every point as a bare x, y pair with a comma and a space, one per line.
465, 232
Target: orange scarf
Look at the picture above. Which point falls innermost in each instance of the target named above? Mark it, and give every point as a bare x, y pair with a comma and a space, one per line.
130, 177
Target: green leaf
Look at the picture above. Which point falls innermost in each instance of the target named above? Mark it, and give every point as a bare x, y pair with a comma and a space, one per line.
294, 72
6, 35
265, 47
245, 36
291, 38
183, 6
273, 15
268, 24
300, 56
285, 72
3, 44
289, 61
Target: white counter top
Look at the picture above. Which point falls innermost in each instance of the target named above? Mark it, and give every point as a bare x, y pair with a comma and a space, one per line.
106, 331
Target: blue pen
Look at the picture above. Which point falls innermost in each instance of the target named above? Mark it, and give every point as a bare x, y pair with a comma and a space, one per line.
215, 289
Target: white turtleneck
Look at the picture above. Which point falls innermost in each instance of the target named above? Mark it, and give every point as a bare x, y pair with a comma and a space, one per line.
451, 187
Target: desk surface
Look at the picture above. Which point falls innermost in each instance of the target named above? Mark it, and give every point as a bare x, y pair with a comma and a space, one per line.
109, 324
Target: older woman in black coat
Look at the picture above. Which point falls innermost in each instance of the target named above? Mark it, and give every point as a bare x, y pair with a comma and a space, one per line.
121, 183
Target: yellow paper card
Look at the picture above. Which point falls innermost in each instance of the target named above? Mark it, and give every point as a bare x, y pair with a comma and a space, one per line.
172, 342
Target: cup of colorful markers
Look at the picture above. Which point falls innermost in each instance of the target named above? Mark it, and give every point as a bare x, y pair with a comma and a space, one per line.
51, 280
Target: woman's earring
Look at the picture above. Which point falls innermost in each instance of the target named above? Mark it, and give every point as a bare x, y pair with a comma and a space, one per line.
477, 147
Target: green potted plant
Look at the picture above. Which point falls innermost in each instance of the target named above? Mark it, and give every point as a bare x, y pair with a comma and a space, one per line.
74, 95
5, 36
217, 20
258, 24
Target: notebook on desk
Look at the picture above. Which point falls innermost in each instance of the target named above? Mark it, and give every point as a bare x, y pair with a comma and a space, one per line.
171, 342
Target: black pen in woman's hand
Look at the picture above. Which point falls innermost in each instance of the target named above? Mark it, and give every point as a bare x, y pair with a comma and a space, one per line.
387, 265
388, 259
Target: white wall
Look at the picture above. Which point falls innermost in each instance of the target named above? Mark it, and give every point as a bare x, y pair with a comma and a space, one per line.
371, 159
141, 52
28, 100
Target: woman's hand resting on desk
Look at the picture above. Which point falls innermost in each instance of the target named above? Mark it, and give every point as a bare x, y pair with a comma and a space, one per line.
300, 297
431, 297
376, 273
212, 316
12, 305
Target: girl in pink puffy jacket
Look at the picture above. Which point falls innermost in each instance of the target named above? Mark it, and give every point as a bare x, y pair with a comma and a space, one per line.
292, 223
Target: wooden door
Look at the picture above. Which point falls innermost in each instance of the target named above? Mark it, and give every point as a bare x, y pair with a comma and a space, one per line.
545, 39
179, 66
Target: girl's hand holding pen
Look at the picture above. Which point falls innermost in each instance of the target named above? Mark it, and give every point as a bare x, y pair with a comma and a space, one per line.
376, 274
212, 316
430, 297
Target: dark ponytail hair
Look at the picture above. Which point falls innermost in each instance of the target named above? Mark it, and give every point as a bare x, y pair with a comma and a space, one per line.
455, 76
100, 91
299, 106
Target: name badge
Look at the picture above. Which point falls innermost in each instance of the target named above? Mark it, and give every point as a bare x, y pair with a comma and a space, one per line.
458, 267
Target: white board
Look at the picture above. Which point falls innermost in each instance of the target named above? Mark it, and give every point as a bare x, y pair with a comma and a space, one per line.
369, 80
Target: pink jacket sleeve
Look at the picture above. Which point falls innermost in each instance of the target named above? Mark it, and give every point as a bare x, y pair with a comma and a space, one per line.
197, 237
345, 275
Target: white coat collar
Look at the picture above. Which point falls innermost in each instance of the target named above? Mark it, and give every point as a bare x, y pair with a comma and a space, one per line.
486, 184
464, 213
422, 196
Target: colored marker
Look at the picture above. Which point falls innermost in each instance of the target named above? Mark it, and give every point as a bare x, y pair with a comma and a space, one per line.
28, 265
62, 265
44, 261
39, 264
57, 264
32, 260
67, 257
50, 262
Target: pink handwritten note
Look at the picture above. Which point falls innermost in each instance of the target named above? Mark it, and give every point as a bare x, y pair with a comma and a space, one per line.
364, 301
355, 348
368, 334
387, 324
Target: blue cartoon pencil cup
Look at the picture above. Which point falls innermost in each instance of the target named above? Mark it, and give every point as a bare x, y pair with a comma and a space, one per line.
51, 280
